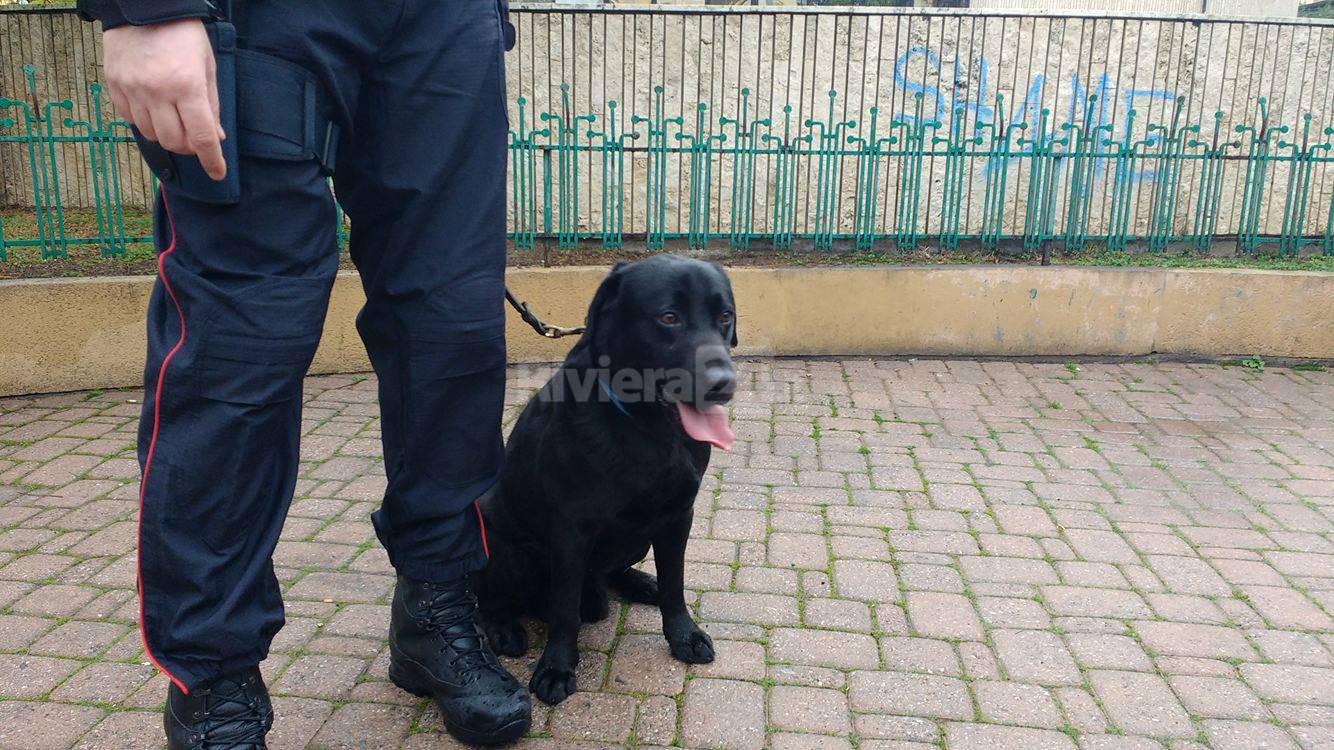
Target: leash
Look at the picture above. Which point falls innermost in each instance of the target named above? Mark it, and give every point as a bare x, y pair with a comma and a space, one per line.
543, 328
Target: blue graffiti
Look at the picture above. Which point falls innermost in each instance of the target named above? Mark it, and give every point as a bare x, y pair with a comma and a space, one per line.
974, 105
918, 88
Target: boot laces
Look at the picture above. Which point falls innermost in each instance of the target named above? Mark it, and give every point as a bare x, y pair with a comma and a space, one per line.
448, 612
233, 718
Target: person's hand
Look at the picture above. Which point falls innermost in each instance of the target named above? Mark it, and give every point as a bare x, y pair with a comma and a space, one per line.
161, 78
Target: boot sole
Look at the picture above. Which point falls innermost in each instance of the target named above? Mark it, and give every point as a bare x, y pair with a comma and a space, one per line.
406, 677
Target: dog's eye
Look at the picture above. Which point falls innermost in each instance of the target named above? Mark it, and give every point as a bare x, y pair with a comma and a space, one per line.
669, 318
725, 318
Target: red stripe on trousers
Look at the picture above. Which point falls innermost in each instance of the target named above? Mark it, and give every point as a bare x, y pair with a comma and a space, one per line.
152, 443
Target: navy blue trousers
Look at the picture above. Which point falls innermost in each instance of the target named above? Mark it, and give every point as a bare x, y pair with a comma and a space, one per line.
417, 87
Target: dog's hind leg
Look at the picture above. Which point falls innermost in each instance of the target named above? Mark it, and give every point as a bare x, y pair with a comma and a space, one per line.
507, 636
593, 605
635, 586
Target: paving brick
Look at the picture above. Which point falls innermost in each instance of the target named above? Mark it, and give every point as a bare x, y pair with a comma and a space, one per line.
296, 720
656, 720
1187, 639
898, 728
26, 676
1105, 651
990, 737
823, 648
1291, 683
763, 609
594, 716
798, 551
320, 676
793, 741
837, 614
1121, 742
741, 660
1004, 612
924, 577
78, 638
1007, 570
18, 631
978, 661
866, 581
44, 726
1021, 519
1141, 704
643, 664
125, 730
919, 655
1217, 697
355, 726
1035, 656
723, 714
1287, 608
1100, 545
1188, 575
342, 587
814, 710
1081, 710
1247, 735
1295, 648
943, 615
1016, 703
738, 524
1087, 602
55, 600
106, 682
929, 696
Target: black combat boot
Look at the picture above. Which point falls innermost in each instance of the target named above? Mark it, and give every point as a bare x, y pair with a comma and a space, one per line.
437, 650
231, 713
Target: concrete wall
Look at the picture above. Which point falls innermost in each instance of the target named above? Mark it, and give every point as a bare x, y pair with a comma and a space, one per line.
67, 334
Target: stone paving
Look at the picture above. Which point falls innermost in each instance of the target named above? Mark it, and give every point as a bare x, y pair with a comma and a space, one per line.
898, 555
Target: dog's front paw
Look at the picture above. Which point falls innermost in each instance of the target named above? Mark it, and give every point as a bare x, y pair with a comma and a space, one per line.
552, 684
691, 645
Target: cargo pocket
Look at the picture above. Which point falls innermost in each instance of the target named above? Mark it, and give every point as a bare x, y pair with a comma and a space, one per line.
234, 464
454, 409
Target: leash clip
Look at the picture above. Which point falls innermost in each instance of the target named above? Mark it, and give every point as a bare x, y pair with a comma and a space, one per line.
543, 328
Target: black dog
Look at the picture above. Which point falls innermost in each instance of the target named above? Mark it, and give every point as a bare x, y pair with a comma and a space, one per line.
605, 462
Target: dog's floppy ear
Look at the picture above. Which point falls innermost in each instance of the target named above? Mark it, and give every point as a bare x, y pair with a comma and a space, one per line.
602, 298
727, 284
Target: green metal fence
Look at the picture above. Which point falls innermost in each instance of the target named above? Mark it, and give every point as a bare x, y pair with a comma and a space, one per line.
748, 182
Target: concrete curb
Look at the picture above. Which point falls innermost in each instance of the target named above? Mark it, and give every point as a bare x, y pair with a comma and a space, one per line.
71, 334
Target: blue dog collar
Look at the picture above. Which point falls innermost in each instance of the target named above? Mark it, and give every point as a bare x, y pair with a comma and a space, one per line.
615, 401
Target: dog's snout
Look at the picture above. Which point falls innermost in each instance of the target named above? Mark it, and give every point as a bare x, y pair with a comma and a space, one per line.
719, 385
714, 375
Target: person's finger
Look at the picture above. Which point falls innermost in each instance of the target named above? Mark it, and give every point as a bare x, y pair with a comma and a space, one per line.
142, 120
214, 106
201, 135
121, 105
170, 131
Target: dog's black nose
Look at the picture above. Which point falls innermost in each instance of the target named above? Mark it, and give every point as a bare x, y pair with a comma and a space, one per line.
718, 385
714, 375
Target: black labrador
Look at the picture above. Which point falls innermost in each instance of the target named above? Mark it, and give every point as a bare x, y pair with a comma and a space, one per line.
604, 463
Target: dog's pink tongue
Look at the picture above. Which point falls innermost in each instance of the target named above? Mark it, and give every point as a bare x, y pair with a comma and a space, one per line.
708, 425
